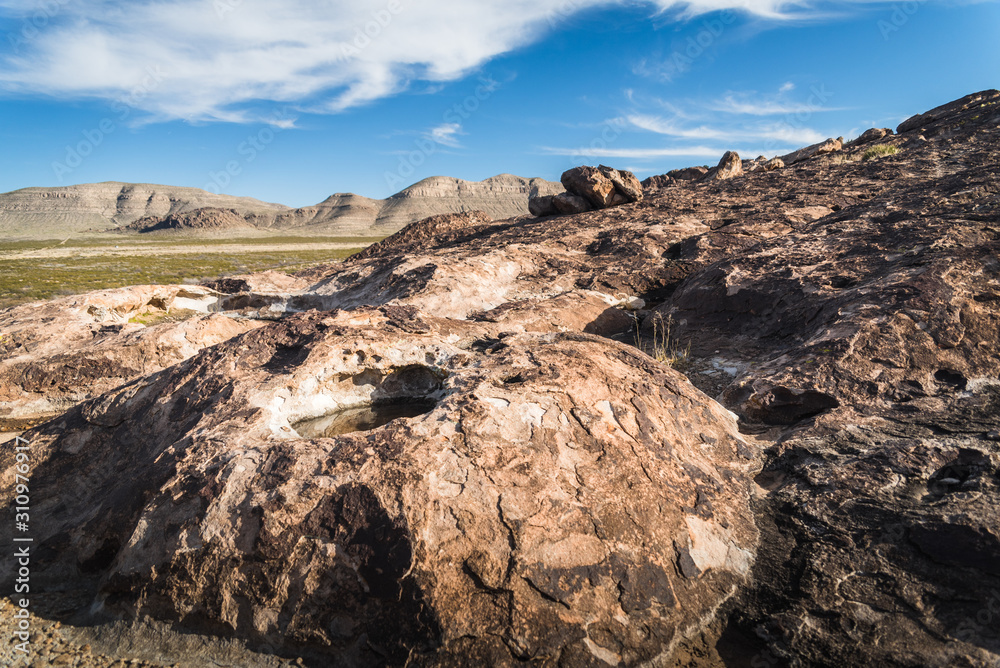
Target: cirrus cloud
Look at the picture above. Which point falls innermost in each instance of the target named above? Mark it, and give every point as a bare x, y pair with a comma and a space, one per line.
234, 60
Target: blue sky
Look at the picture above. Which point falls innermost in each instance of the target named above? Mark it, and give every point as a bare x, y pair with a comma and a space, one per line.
290, 102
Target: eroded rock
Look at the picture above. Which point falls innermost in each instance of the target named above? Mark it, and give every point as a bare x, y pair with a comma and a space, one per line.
563, 491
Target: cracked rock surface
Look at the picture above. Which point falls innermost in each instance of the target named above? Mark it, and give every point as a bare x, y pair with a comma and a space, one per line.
565, 499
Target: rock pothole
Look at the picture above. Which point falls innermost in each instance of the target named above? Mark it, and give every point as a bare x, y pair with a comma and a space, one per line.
406, 392
363, 418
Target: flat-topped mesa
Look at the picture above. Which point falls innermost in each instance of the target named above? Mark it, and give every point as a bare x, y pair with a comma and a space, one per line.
589, 188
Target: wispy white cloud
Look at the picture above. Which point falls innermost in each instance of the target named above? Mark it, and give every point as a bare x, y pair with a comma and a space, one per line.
786, 87
672, 127
780, 131
754, 105
634, 153
234, 60
446, 134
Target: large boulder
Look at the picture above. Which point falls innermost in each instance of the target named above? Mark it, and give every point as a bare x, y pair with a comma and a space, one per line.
656, 182
537, 495
868, 136
542, 206
688, 173
821, 148
568, 203
730, 166
625, 183
590, 184
602, 186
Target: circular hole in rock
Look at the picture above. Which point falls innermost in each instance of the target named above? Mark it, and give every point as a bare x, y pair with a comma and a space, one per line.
362, 418
404, 393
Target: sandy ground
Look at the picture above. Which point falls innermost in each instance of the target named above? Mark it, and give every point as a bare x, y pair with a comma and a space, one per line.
8, 435
114, 644
70, 252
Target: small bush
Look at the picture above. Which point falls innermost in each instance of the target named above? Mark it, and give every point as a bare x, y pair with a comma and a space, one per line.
666, 348
879, 151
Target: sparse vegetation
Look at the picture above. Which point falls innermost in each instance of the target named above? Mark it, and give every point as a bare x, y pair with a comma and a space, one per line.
665, 347
879, 151
98, 264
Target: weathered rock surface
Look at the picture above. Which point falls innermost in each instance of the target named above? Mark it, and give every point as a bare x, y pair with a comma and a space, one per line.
568, 203
688, 173
774, 163
542, 206
598, 188
656, 182
822, 148
565, 499
846, 310
56, 354
730, 166
958, 112
868, 136
625, 183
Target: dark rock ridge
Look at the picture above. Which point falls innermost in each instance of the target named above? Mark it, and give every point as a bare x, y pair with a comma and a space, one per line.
199, 219
566, 499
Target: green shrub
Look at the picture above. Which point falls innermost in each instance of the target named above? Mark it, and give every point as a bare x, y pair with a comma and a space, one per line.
879, 151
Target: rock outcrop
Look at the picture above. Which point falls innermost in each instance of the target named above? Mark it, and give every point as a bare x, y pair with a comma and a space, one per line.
730, 166
455, 454
688, 173
822, 148
589, 188
558, 492
56, 354
205, 219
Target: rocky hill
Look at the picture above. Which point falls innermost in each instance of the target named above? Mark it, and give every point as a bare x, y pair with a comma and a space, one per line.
751, 419
54, 212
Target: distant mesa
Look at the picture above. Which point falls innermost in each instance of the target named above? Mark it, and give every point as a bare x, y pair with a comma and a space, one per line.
142, 207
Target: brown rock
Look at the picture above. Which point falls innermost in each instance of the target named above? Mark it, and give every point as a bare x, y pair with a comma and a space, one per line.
688, 173
57, 354
625, 183
957, 111
823, 147
656, 182
868, 136
590, 184
567, 203
729, 166
773, 164
547, 496
542, 206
